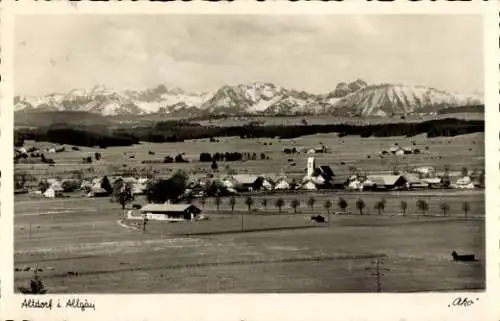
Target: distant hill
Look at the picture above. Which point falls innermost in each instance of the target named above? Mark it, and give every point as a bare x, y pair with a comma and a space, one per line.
347, 99
40, 118
463, 109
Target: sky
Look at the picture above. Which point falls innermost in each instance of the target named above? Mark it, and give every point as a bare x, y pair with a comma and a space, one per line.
200, 53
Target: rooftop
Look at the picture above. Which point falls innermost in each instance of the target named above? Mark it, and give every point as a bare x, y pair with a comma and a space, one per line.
385, 179
166, 207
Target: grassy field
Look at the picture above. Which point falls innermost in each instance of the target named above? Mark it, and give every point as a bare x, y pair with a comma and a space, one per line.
346, 152
283, 253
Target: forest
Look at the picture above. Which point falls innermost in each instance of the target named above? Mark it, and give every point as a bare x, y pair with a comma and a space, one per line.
178, 131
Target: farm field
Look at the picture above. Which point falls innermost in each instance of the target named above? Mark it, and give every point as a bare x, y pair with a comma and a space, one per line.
345, 153
283, 253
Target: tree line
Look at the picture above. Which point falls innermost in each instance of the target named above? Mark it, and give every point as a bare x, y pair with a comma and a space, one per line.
380, 206
231, 156
178, 131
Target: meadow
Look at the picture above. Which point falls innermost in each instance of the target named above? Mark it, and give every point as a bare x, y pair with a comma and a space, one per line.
278, 252
345, 153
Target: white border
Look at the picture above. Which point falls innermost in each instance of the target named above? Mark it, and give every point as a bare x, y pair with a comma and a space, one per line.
265, 306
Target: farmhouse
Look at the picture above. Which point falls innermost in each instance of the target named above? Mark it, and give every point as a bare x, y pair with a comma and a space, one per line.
414, 181
170, 212
282, 184
51, 192
340, 182
98, 192
245, 182
387, 181
433, 182
463, 183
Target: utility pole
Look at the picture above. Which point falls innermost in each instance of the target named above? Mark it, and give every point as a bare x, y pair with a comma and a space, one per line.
378, 272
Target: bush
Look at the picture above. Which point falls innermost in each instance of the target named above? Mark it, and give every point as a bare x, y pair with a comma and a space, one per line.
180, 159
69, 186
205, 157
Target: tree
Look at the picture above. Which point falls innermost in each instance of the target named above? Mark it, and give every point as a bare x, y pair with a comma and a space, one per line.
445, 180
214, 165
206, 157
43, 185
106, 185
423, 206
466, 208
249, 202
70, 185
171, 189
144, 223
310, 202
232, 202
294, 204
360, 205
380, 206
342, 204
20, 180
263, 202
481, 179
327, 205
445, 208
217, 201
279, 203
403, 205
122, 193
18, 139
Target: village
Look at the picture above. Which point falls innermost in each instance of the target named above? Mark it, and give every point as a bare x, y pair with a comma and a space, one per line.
216, 184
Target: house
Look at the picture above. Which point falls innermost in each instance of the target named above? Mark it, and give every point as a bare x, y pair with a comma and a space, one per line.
425, 171
463, 183
310, 186
321, 176
52, 193
399, 152
98, 192
246, 182
387, 181
340, 182
433, 182
170, 212
282, 184
414, 181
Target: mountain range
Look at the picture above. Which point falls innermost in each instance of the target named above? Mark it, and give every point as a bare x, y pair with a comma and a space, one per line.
356, 98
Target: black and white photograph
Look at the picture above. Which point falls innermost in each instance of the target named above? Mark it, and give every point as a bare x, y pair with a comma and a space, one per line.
247, 153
